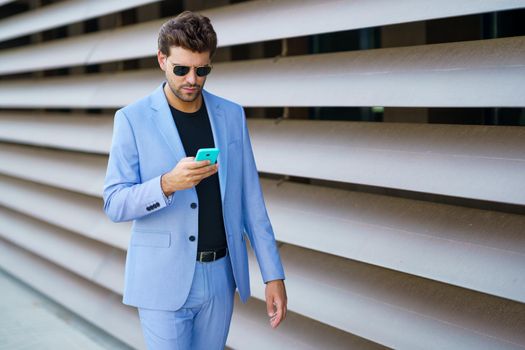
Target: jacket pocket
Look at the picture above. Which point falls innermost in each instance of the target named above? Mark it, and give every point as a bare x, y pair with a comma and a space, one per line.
151, 239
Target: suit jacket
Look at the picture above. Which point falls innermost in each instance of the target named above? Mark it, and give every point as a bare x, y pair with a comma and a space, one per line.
161, 257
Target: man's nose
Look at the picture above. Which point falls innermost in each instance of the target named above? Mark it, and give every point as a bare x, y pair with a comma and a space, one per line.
191, 77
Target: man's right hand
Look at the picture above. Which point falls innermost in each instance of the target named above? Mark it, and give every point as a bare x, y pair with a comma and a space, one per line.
186, 174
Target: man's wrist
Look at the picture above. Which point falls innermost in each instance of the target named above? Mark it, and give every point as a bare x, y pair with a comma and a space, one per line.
164, 186
279, 279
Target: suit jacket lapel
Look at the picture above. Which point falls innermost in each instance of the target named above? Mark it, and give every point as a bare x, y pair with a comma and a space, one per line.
220, 137
163, 119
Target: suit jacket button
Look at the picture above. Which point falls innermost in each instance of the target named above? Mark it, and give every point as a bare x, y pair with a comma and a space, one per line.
148, 208
192, 238
193, 205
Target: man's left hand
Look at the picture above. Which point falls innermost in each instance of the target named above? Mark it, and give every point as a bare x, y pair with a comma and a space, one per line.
276, 301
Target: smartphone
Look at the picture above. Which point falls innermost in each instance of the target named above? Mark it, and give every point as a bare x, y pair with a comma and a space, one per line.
210, 154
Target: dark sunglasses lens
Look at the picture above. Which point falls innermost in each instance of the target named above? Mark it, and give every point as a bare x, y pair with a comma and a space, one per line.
181, 70
203, 71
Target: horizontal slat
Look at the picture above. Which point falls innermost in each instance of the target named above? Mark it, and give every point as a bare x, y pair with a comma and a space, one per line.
96, 304
60, 14
250, 322
381, 305
266, 20
105, 267
439, 242
78, 132
51, 205
249, 326
454, 74
478, 162
366, 300
77, 172
394, 233
91, 260
260, 20
443, 75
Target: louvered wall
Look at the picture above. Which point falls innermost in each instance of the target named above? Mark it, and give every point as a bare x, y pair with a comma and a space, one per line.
365, 269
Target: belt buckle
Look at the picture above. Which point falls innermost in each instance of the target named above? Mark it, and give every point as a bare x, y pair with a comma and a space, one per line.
205, 254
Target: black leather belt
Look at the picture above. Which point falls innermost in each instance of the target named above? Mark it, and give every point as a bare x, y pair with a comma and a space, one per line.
211, 255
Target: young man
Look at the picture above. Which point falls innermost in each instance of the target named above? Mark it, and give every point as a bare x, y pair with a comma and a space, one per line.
187, 252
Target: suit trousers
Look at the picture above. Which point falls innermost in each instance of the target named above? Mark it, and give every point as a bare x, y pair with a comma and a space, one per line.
203, 321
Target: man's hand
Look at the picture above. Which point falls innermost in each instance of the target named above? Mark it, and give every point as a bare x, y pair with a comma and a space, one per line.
186, 174
276, 302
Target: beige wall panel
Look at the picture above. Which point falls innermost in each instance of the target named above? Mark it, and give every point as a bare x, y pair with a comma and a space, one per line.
351, 290
249, 323
73, 171
453, 74
61, 13
71, 211
72, 131
363, 270
92, 260
247, 22
441, 242
394, 309
96, 304
431, 240
365, 300
267, 20
492, 241
480, 162
104, 266
451, 160
447, 75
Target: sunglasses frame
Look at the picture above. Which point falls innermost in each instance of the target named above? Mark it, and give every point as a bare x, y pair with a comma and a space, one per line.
188, 68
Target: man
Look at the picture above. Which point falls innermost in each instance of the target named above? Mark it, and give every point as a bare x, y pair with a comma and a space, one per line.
187, 252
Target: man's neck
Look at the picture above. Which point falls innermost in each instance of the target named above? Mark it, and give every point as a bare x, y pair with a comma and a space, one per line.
183, 106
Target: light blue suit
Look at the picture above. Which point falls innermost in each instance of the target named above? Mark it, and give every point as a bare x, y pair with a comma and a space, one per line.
161, 258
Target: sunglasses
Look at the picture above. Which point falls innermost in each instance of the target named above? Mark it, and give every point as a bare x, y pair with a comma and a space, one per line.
181, 71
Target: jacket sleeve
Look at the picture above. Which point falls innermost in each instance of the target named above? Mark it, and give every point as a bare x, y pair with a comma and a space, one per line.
126, 197
255, 218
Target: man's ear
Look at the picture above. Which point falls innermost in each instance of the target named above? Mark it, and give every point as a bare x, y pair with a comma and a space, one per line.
161, 58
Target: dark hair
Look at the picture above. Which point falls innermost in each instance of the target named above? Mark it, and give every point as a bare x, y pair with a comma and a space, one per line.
190, 31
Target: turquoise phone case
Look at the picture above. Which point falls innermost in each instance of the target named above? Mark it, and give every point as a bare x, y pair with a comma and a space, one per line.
208, 153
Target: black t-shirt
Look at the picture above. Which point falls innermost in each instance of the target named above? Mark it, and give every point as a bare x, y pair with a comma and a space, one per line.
195, 132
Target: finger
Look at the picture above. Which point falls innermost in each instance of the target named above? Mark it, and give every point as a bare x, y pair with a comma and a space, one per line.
196, 164
284, 307
276, 322
204, 170
199, 177
212, 170
191, 163
279, 315
269, 307
277, 311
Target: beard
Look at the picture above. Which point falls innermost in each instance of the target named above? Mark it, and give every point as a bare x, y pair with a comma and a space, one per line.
184, 96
